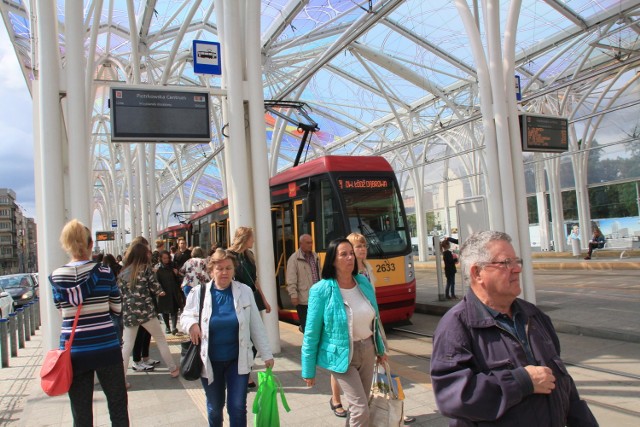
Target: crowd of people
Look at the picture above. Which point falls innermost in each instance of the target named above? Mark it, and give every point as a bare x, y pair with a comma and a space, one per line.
496, 358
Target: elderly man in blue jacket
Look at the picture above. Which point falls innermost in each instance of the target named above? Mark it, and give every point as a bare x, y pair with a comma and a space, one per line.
496, 358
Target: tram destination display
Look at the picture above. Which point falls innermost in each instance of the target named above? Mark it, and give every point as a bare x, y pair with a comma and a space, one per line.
159, 116
358, 183
544, 133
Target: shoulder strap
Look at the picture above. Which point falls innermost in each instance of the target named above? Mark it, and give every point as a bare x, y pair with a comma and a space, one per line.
203, 291
242, 263
75, 323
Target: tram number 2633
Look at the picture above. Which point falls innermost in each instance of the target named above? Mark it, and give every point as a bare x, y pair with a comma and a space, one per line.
385, 267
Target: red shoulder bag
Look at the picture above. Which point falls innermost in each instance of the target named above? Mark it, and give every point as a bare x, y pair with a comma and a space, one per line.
56, 373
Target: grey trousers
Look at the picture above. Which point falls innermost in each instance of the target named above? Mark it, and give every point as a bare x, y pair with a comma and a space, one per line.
356, 382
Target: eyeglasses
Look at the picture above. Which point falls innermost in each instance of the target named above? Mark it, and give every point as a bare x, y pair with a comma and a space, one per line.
506, 264
360, 246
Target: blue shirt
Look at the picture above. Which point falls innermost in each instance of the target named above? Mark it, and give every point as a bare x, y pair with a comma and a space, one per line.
223, 326
515, 325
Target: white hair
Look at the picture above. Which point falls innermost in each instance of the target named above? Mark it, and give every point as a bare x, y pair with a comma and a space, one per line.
474, 250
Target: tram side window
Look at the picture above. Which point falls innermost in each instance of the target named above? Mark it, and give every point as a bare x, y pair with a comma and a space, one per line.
329, 225
204, 236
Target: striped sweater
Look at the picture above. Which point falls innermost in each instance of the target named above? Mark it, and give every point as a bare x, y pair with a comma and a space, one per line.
96, 342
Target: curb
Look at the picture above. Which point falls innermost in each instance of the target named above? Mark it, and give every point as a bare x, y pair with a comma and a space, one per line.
573, 329
560, 326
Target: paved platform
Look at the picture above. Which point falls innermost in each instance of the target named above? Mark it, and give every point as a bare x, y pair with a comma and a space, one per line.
155, 399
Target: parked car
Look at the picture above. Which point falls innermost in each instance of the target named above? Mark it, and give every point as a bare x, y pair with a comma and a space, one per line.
6, 304
22, 288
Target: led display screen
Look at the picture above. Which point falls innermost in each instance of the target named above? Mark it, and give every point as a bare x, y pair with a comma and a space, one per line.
159, 116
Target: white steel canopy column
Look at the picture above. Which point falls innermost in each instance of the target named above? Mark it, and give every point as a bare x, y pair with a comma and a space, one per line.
260, 169
237, 167
505, 171
151, 172
77, 136
50, 152
143, 212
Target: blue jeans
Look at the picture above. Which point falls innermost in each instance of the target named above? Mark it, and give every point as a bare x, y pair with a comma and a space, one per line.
226, 378
451, 286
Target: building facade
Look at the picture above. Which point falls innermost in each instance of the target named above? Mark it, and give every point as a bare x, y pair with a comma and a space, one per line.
18, 237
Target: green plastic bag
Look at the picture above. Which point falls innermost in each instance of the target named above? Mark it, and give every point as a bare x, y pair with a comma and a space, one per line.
265, 404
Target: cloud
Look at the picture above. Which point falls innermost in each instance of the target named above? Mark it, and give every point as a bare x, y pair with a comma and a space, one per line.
11, 76
16, 129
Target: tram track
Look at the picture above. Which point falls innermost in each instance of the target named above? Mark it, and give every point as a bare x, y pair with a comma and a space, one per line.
580, 365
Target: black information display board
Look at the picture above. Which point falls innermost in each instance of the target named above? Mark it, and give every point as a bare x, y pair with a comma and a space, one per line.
103, 236
544, 133
159, 116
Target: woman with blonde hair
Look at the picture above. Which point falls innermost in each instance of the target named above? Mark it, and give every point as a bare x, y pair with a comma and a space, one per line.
246, 272
96, 346
360, 246
139, 289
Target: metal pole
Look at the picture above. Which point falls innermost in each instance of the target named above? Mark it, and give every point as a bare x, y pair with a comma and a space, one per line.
4, 342
20, 317
27, 322
13, 329
37, 312
32, 317
438, 254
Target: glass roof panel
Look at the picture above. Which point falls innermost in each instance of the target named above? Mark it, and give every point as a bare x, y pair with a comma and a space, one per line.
376, 92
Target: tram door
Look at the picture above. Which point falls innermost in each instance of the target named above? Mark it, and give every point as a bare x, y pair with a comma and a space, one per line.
283, 246
219, 234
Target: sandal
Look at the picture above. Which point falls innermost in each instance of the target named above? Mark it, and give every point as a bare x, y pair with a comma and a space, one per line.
335, 408
175, 373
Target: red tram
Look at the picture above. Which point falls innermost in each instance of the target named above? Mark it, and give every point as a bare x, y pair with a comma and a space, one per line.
330, 197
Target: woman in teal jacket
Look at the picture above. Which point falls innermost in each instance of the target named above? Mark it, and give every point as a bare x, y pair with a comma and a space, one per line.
343, 332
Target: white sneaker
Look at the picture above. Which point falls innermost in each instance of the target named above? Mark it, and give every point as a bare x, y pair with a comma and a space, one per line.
142, 366
151, 362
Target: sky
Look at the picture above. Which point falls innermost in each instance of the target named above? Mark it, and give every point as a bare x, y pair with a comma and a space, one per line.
16, 129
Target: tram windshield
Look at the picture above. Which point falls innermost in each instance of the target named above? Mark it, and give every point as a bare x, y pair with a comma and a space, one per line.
374, 209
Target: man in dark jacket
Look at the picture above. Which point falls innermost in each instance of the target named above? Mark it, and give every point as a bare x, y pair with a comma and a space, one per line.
496, 358
183, 253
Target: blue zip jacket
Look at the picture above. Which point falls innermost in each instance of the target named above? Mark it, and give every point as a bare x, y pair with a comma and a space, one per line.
478, 375
327, 340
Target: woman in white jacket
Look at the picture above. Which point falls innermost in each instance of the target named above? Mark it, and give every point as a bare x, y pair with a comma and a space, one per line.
230, 326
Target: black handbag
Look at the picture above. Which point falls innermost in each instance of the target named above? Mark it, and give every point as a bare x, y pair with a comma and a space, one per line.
190, 361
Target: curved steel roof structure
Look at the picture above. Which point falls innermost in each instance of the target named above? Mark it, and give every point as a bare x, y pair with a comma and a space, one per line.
381, 77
